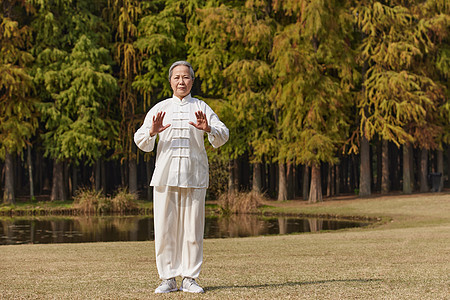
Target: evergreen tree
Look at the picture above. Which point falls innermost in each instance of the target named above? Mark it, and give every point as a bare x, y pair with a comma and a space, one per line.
230, 48
399, 101
434, 28
434, 16
161, 41
124, 16
314, 74
18, 118
78, 121
74, 71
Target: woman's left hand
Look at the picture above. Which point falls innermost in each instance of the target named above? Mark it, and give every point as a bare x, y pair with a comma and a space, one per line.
202, 122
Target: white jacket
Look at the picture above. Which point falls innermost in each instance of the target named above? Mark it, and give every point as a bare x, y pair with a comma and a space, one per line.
181, 158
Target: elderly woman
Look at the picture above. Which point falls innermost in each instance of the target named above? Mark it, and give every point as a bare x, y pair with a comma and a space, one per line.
180, 178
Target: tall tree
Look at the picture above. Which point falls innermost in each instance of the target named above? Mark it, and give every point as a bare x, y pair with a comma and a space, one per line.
398, 99
230, 48
161, 41
78, 121
75, 72
124, 16
18, 118
313, 66
434, 28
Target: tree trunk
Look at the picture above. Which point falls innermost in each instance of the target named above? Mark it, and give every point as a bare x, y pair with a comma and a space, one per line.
273, 180
70, 190
47, 175
58, 192
30, 173
98, 173
333, 178
232, 177
328, 184
338, 180
364, 185
448, 164
38, 173
440, 168
315, 194
385, 167
282, 182
8, 194
256, 182
330, 180
132, 176
290, 176
379, 165
396, 167
407, 168
244, 172
123, 175
354, 167
103, 176
74, 179
18, 175
2, 177
66, 181
305, 188
344, 173
424, 171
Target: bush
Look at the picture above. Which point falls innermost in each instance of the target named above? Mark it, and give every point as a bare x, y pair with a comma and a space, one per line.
89, 201
123, 202
240, 202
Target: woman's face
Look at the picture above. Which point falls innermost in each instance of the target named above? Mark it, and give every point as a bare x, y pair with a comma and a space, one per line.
181, 81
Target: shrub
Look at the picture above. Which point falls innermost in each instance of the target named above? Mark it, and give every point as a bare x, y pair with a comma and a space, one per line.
123, 201
91, 201
240, 202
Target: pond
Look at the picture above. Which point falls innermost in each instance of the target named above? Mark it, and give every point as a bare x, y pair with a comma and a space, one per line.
45, 230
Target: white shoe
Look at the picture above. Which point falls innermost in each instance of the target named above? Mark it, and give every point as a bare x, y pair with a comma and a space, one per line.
189, 285
167, 286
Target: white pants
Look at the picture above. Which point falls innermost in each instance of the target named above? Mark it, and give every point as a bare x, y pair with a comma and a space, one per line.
179, 215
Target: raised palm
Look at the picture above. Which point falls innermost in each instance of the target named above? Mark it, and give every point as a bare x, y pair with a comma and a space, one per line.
157, 124
202, 122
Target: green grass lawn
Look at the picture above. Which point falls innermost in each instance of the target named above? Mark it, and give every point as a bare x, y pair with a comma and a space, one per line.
405, 256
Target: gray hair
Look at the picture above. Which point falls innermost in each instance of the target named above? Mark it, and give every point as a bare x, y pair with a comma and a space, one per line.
181, 63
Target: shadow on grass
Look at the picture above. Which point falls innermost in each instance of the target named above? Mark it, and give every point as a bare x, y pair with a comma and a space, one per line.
286, 284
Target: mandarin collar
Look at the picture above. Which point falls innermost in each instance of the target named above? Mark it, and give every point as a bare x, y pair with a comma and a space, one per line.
183, 101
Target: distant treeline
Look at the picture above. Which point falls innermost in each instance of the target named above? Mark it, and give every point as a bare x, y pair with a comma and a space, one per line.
321, 97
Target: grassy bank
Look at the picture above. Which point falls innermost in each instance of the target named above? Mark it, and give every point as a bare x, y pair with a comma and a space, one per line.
46, 208
405, 257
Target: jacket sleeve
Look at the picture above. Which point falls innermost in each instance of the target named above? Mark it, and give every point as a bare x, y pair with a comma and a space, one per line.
219, 134
142, 136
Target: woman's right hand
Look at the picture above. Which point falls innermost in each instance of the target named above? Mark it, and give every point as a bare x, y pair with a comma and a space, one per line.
157, 124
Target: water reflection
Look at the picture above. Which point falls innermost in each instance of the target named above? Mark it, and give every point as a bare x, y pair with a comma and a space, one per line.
140, 228
250, 225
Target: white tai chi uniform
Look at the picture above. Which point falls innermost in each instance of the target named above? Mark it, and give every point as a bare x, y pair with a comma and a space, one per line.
180, 180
